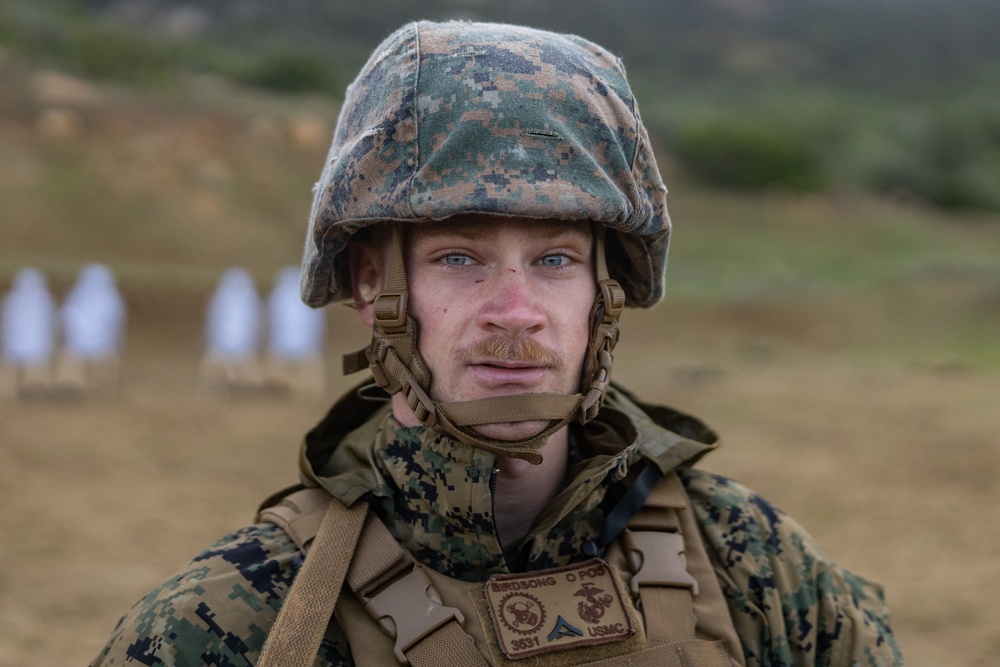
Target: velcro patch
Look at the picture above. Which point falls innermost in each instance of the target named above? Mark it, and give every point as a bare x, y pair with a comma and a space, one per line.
551, 610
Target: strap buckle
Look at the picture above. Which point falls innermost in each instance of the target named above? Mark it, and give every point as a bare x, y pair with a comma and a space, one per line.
409, 609
389, 310
421, 404
657, 559
614, 299
602, 378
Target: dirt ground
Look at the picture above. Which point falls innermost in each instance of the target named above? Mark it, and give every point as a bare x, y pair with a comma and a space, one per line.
894, 471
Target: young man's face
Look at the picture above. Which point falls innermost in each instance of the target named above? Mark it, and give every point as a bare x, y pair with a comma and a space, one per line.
502, 307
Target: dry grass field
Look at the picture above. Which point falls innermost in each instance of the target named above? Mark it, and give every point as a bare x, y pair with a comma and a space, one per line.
851, 410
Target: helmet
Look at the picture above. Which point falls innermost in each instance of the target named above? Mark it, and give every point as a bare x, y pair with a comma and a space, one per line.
459, 118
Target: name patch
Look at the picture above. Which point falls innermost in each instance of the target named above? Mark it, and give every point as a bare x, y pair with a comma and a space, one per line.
551, 610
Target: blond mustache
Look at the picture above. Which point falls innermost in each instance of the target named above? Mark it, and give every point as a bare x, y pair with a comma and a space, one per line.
502, 348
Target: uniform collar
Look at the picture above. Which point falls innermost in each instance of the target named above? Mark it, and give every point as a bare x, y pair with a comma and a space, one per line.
435, 494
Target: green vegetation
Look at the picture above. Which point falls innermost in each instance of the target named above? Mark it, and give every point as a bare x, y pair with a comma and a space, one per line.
70, 39
894, 98
749, 155
291, 73
111, 52
950, 157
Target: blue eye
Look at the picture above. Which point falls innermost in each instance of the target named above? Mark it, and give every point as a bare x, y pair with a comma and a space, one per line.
554, 260
457, 260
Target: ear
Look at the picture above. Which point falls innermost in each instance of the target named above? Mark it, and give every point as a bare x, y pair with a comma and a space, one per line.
367, 266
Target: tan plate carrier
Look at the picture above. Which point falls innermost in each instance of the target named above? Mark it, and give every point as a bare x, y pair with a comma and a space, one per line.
404, 612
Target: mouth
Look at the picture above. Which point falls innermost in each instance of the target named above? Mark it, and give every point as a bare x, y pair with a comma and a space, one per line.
498, 373
510, 364
505, 365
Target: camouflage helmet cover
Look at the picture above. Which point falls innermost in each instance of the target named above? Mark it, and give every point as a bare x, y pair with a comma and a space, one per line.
460, 117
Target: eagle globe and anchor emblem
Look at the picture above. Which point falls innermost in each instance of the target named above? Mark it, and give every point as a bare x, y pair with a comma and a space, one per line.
592, 607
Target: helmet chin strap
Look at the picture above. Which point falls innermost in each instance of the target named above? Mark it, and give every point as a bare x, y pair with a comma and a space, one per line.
397, 366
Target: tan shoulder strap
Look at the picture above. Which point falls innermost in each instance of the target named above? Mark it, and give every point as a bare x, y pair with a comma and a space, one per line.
672, 571
296, 634
298, 512
389, 583
397, 593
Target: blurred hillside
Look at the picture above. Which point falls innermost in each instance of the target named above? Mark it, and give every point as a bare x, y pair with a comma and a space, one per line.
897, 97
903, 45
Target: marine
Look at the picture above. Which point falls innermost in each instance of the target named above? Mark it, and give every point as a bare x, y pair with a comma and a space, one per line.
490, 204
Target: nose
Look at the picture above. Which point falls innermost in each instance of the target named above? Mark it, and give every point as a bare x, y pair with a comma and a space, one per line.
513, 304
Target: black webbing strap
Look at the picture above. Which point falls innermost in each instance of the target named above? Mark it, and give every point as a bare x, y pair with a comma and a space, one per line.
630, 503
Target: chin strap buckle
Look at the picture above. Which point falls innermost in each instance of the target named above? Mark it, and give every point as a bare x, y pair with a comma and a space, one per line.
389, 309
614, 299
598, 386
607, 308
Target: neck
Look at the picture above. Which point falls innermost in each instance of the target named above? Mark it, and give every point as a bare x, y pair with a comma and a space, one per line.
523, 490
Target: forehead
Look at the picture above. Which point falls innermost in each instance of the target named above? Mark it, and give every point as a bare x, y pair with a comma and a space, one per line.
491, 227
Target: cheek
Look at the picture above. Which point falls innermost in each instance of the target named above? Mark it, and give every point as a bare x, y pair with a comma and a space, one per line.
582, 340
430, 317
433, 327
576, 324
422, 308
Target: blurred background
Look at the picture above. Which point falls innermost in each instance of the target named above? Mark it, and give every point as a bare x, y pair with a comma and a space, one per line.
833, 301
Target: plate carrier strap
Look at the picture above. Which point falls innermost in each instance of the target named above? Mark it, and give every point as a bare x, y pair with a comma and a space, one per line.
679, 594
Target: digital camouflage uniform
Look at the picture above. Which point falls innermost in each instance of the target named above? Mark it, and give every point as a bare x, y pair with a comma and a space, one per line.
490, 119
789, 604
